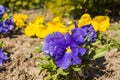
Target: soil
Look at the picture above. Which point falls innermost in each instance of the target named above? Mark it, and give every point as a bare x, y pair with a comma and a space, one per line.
21, 64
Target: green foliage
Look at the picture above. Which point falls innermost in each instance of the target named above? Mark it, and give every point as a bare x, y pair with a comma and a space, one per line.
68, 7
100, 52
52, 71
59, 7
21, 4
113, 27
79, 7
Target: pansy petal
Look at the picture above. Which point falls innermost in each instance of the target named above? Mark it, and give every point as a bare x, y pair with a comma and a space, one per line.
52, 48
82, 51
64, 62
78, 35
58, 35
74, 56
67, 37
59, 54
3, 56
60, 42
49, 38
75, 60
45, 48
1, 62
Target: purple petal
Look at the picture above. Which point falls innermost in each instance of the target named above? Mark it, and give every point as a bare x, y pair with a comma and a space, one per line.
82, 51
67, 37
45, 48
77, 38
59, 53
58, 35
75, 56
75, 60
1, 62
11, 27
64, 62
4, 31
49, 38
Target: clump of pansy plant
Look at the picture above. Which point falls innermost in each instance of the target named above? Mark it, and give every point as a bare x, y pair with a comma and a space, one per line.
6, 22
68, 56
40, 28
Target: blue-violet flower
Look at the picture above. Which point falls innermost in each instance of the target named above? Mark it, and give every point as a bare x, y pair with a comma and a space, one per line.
3, 57
64, 49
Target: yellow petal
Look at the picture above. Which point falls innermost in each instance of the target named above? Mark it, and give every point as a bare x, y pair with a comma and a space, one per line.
41, 31
30, 30
39, 19
104, 22
84, 20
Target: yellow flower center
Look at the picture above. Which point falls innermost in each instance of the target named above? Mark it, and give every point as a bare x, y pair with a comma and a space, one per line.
68, 50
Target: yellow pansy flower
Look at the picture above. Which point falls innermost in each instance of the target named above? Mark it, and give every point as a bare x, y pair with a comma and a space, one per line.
95, 25
41, 31
57, 19
62, 29
84, 20
20, 23
24, 17
56, 26
30, 29
103, 21
39, 19
20, 19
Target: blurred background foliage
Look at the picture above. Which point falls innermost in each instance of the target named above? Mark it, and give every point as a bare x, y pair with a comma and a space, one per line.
68, 7
16, 5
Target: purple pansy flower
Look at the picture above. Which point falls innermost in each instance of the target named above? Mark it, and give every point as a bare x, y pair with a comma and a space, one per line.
2, 11
9, 24
3, 57
86, 31
64, 49
6, 25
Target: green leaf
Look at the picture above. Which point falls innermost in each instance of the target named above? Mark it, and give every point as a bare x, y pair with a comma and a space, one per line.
97, 42
76, 68
100, 52
54, 77
100, 36
62, 72
38, 49
18, 3
1, 43
36, 1
48, 77
115, 44
24, 3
